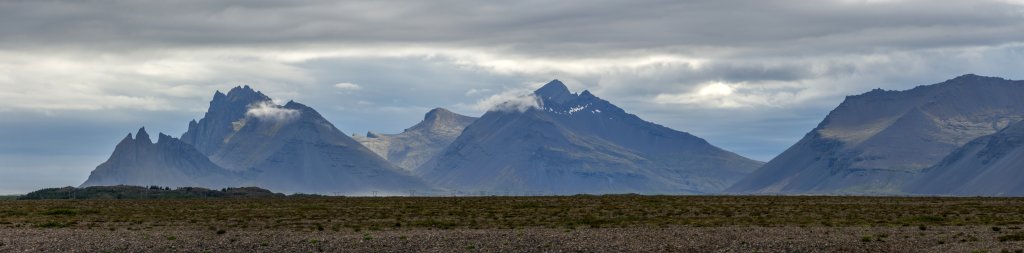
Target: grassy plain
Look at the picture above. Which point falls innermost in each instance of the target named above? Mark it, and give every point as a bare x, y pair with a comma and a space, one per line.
390, 213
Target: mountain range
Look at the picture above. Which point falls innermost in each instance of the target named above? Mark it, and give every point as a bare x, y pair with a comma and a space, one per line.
963, 136
568, 143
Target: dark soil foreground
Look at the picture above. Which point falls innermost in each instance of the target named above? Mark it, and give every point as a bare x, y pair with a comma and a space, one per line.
616, 223
671, 239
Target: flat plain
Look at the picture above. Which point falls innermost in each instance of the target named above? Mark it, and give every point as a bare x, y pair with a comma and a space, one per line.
613, 223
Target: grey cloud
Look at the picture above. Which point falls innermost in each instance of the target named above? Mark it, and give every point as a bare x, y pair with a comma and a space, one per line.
391, 84
537, 28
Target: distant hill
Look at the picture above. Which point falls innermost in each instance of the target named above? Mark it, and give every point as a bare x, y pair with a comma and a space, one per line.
876, 142
557, 142
152, 192
419, 143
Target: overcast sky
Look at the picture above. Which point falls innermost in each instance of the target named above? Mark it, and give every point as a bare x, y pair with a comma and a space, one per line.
749, 76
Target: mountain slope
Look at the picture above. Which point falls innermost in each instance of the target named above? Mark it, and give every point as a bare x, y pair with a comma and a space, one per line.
578, 143
419, 143
877, 141
169, 162
292, 148
991, 165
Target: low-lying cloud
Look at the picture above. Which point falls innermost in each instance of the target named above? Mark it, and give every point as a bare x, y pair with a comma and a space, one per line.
272, 112
519, 104
518, 100
348, 86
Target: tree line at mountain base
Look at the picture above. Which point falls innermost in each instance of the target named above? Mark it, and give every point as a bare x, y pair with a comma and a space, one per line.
151, 192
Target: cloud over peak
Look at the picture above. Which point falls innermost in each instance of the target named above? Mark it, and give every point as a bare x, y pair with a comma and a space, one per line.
513, 100
271, 112
518, 104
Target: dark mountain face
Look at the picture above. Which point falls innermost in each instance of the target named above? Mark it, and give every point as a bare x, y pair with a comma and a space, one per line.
289, 148
209, 133
991, 165
419, 143
294, 149
875, 142
169, 162
578, 143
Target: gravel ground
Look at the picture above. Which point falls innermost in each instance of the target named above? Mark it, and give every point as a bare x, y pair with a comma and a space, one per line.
671, 239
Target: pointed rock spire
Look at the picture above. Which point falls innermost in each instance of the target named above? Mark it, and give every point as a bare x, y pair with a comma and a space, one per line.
127, 139
162, 138
143, 136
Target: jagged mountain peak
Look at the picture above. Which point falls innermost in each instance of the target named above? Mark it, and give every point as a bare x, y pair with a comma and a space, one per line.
143, 136
556, 98
241, 90
163, 138
237, 96
168, 162
126, 140
219, 121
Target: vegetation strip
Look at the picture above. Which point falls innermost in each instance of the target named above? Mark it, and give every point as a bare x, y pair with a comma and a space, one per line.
568, 212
